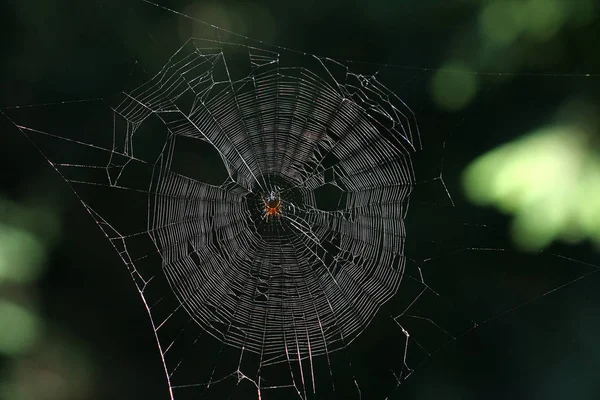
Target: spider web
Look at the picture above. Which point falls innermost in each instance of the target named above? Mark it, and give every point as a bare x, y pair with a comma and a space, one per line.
174, 173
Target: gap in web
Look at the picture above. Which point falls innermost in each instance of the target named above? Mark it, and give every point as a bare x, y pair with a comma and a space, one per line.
215, 325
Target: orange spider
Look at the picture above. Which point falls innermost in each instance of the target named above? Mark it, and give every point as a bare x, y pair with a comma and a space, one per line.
272, 206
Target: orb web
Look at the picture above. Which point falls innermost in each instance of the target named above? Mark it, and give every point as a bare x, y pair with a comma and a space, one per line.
312, 279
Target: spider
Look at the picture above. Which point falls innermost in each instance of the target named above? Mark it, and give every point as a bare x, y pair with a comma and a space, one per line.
272, 205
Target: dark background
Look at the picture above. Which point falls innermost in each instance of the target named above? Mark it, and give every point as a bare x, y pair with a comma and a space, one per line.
97, 341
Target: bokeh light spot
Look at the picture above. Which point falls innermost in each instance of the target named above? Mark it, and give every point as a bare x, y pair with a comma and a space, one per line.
545, 18
20, 328
501, 22
22, 255
214, 13
454, 86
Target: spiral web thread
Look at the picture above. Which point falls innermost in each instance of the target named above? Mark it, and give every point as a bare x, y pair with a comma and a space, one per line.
176, 176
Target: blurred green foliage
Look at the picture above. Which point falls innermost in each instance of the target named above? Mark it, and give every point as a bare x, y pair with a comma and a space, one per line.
41, 360
511, 35
506, 21
549, 180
